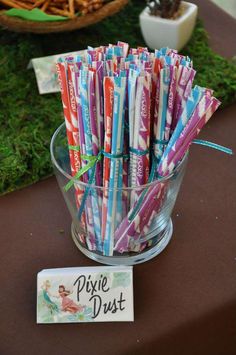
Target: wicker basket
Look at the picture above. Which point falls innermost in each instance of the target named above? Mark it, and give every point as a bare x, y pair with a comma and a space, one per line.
20, 25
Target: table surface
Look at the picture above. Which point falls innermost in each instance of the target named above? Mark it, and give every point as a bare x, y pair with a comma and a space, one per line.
184, 298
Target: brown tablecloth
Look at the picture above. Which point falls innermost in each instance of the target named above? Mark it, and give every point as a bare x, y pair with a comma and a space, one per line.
184, 298
220, 26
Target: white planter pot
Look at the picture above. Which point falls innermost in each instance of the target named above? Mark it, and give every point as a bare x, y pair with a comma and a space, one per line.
159, 32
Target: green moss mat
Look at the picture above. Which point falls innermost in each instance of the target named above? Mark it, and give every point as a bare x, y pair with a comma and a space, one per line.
27, 120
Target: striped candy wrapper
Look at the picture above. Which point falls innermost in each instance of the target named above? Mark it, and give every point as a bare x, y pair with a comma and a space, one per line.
195, 130
94, 132
159, 130
115, 195
184, 75
99, 74
62, 79
204, 110
130, 229
134, 162
83, 85
156, 67
94, 124
75, 132
144, 131
132, 85
125, 194
69, 109
125, 47
191, 104
170, 102
141, 136
186, 93
108, 117
91, 241
132, 80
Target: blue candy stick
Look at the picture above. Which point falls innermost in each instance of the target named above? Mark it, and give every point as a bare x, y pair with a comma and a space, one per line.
116, 169
191, 104
83, 82
159, 135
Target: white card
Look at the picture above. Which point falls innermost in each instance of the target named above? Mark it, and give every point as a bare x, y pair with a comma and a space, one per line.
46, 71
85, 294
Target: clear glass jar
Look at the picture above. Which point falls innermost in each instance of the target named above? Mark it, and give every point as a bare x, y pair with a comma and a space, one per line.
139, 226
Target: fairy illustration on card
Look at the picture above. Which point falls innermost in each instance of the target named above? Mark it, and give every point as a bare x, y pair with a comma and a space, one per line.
52, 306
67, 304
55, 305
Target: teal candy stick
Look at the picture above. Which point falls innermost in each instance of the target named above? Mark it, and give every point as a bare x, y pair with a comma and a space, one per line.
114, 212
162, 111
83, 81
191, 104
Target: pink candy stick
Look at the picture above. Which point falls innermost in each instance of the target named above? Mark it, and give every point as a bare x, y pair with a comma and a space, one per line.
91, 241
99, 74
186, 93
62, 78
141, 134
144, 132
75, 133
125, 47
171, 100
204, 110
94, 124
184, 75
108, 116
125, 194
155, 77
195, 130
69, 108
131, 229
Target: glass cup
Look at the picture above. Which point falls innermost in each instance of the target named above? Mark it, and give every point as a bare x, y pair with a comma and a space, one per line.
116, 226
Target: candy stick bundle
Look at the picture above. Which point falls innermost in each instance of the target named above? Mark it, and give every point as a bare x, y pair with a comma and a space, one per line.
130, 116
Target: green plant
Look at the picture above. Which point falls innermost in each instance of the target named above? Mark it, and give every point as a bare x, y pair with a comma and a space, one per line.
164, 8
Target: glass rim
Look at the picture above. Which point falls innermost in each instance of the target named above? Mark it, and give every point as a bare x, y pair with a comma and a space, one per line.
84, 184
